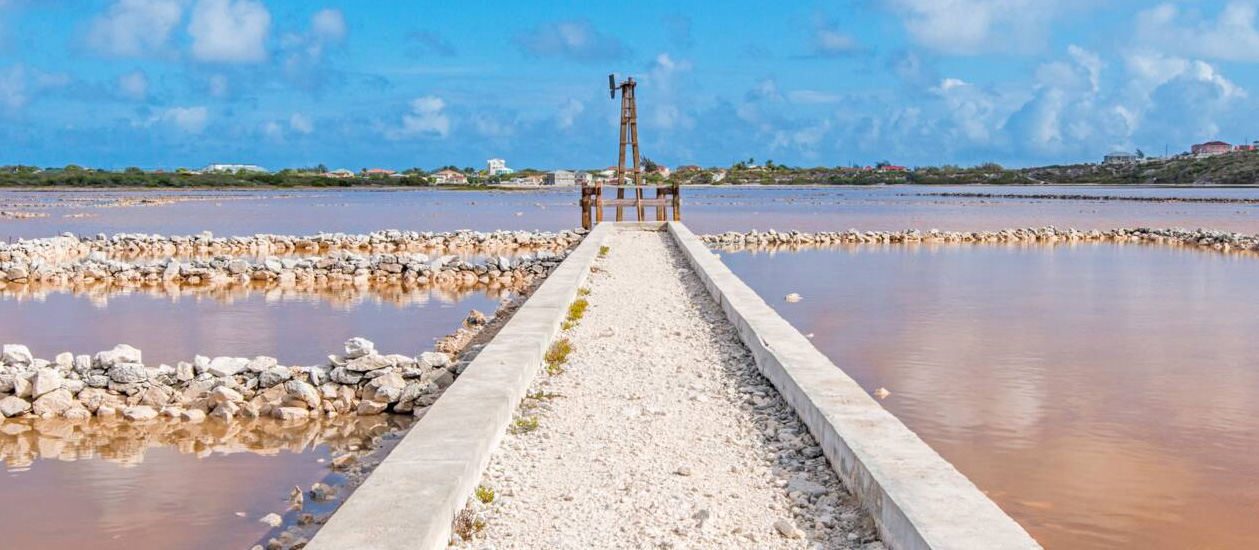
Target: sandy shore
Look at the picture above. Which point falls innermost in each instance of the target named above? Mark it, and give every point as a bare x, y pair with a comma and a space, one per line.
659, 433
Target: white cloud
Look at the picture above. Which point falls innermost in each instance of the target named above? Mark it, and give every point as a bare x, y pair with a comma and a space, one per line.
1232, 36
829, 41
303, 52
13, 88
568, 113
977, 26
190, 120
301, 123
576, 40
229, 31
135, 28
427, 118
329, 24
273, 131
812, 97
133, 85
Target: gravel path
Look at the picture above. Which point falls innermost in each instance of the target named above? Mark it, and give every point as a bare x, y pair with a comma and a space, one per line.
660, 433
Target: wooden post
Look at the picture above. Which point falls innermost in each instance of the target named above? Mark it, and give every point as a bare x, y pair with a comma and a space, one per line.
638, 171
599, 203
585, 207
660, 197
677, 203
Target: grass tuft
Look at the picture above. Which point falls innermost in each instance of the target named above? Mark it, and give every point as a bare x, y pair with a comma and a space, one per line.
485, 494
603, 251
540, 395
524, 425
583, 291
568, 325
577, 309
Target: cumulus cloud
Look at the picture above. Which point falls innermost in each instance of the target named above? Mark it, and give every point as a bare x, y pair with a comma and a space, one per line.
977, 26
829, 41
134, 85
568, 113
135, 28
427, 118
303, 53
575, 40
301, 123
229, 31
191, 120
1231, 36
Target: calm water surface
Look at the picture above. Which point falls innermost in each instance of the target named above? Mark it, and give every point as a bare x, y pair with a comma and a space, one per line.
164, 485
705, 209
1106, 396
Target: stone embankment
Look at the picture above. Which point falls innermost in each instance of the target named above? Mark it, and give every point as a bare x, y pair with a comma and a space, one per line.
68, 247
117, 382
1216, 240
1080, 197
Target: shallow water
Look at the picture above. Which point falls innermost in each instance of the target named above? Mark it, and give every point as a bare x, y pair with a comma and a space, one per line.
165, 484
297, 328
705, 209
1106, 396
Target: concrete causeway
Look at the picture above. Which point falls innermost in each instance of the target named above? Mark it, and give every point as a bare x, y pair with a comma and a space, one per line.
914, 498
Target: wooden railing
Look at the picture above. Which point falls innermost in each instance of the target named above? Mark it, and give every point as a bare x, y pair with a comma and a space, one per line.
667, 196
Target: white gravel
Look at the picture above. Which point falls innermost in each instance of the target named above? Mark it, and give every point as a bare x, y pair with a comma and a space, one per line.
662, 435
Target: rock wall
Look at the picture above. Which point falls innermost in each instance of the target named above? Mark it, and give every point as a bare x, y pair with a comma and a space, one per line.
1216, 240
117, 382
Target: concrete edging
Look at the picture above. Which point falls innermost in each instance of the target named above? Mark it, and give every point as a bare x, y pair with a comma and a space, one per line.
919, 501
411, 499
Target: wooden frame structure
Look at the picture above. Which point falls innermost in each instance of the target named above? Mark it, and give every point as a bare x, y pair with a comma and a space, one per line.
592, 196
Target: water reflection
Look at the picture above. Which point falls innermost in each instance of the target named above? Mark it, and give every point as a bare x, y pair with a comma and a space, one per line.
162, 485
1105, 395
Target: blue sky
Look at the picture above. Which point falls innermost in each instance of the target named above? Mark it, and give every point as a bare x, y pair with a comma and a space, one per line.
169, 83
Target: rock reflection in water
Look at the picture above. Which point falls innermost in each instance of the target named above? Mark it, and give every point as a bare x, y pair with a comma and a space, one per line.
164, 484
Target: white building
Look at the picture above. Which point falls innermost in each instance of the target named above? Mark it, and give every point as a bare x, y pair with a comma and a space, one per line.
1120, 158
583, 178
233, 168
497, 167
561, 177
449, 177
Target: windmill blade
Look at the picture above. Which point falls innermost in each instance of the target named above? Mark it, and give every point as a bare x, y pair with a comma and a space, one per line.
612, 86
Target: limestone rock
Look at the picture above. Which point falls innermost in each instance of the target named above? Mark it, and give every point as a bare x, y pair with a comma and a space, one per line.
53, 403
126, 373
273, 376
12, 406
226, 366
45, 381
359, 347
139, 413
122, 353
16, 354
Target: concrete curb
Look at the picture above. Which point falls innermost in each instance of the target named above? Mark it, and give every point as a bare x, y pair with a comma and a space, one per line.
411, 499
919, 501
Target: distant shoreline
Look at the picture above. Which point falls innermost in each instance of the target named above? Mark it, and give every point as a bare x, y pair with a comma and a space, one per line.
519, 189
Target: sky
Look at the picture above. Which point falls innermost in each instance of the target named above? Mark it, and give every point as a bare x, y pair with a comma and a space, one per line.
392, 84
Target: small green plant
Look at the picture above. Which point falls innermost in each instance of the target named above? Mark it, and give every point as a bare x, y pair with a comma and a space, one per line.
540, 395
603, 251
568, 325
577, 309
558, 354
524, 424
583, 291
485, 494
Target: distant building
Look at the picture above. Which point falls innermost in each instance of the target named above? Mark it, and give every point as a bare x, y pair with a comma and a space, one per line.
662, 170
561, 177
233, 168
583, 178
497, 167
1119, 158
687, 168
893, 168
719, 175
338, 174
1211, 148
450, 177
380, 172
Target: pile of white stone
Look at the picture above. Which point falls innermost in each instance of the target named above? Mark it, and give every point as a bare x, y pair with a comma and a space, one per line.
360, 381
337, 267
1218, 240
68, 247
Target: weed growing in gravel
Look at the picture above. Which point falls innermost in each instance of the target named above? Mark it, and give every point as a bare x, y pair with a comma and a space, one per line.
583, 291
524, 425
467, 525
540, 395
485, 494
577, 309
557, 356
603, 251
568, 325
